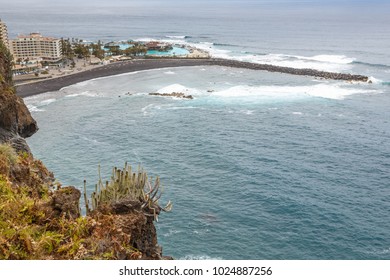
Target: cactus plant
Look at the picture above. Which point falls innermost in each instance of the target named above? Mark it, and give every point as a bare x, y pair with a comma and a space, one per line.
126, 184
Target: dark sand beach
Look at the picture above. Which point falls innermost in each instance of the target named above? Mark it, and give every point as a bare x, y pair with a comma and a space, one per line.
116, 68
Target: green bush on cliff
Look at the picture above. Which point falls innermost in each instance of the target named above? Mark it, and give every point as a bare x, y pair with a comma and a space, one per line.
6, 61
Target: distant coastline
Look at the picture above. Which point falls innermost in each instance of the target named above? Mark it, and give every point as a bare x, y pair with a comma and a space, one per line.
116, 68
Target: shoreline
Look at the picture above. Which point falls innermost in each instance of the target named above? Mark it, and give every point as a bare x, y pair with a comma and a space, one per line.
54, 84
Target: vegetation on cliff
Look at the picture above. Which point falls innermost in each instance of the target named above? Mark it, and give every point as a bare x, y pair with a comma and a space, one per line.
128, 185
5, 69
39, 221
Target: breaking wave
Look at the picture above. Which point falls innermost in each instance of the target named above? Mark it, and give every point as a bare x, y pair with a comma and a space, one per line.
178, 36
336, 91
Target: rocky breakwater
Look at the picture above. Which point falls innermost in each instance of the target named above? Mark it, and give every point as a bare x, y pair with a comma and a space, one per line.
290, 70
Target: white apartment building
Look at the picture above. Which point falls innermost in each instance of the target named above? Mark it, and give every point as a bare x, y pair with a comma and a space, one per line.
36, 47
3, 33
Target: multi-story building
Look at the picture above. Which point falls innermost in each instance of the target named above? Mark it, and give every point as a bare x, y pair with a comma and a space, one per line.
36, 47
3, 33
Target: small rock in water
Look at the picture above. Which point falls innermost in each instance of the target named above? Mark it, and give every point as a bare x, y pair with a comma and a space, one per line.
173, 94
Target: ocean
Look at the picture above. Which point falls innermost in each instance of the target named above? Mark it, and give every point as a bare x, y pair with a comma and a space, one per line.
258, 165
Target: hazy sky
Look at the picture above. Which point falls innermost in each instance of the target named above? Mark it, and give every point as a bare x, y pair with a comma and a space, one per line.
184, 6
176, 3
179, 2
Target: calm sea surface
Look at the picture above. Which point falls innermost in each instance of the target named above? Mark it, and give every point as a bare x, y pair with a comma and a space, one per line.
259, 165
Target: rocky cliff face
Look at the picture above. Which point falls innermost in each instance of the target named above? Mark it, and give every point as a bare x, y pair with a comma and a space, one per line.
16, 122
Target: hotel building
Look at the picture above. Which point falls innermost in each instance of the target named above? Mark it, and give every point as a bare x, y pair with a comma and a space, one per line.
3, 33
36, 47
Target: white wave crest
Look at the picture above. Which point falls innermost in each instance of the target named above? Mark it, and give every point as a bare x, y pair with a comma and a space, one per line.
340, 59
330, 91
33, 108
375, 80
146, 39
176, 36
47, 101
323, 62
179, 88
84, 93
148, 110
173, 88
181, 108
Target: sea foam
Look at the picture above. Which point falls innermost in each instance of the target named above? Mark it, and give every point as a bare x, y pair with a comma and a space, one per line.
330, 91
33, 108
178, 88
324, 62
177, 36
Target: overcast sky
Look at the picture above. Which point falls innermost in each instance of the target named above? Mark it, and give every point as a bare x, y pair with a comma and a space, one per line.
30, 5
143, 2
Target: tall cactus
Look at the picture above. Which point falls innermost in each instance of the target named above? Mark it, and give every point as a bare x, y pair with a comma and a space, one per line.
125, 184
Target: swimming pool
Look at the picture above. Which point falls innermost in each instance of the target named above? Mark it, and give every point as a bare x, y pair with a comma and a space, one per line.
174, 51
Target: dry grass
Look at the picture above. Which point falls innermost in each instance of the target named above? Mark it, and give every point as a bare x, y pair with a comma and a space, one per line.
8, 157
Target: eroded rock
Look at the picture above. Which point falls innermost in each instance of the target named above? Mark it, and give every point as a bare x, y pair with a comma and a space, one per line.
66, 202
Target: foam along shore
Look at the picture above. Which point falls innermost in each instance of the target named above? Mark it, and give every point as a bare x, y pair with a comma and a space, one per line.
116, 68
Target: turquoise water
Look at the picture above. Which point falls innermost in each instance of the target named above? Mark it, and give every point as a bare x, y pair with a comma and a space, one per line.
259, 165
125, 46
175, 51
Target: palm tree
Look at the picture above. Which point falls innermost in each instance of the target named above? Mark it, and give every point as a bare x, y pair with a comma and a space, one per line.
97, 50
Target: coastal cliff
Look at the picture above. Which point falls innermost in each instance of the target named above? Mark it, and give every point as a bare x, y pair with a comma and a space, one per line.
40, 219
16, 122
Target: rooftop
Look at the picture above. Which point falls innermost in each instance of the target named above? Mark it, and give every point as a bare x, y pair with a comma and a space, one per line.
36, 35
